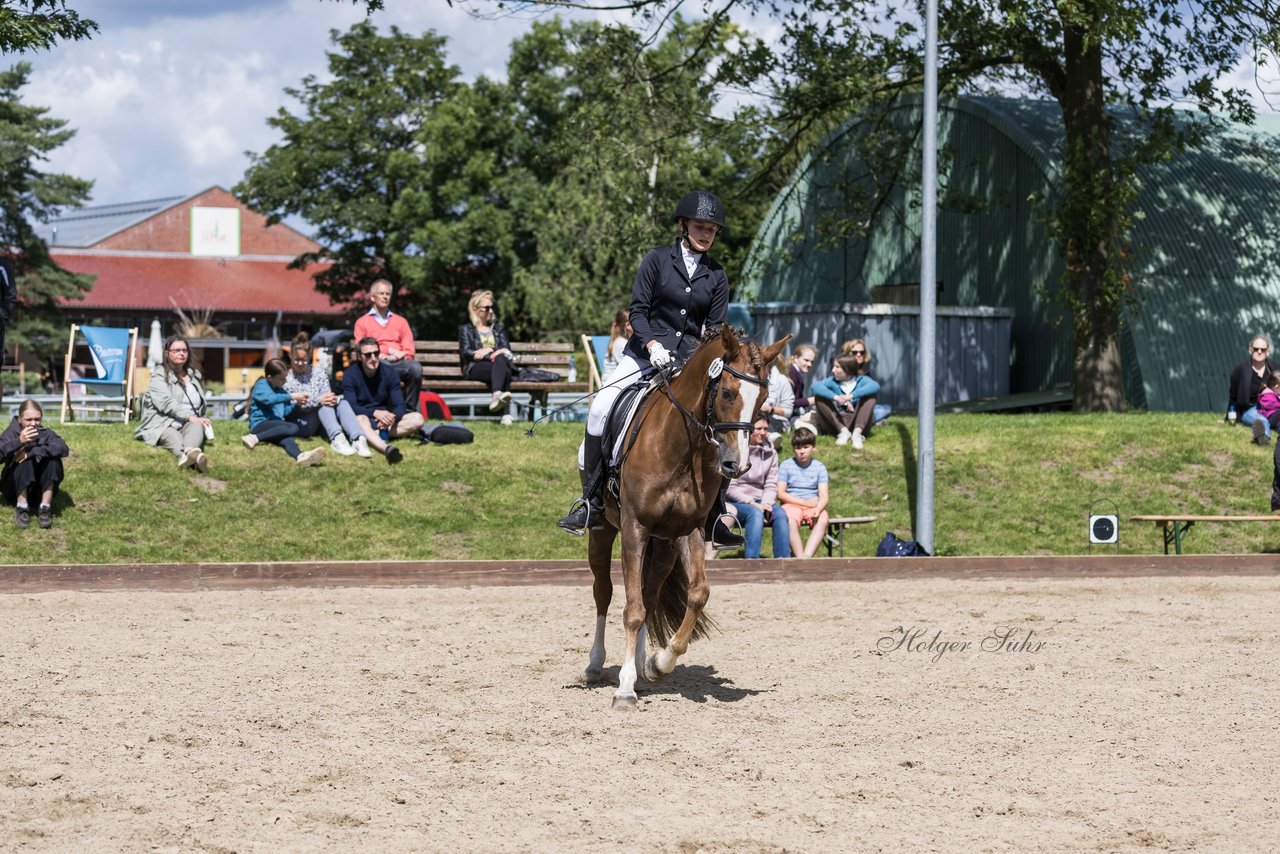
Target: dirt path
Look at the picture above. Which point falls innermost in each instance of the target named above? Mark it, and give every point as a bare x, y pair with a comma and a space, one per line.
453, 719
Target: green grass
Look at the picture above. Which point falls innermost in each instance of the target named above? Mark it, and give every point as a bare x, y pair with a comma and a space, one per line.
1003, 485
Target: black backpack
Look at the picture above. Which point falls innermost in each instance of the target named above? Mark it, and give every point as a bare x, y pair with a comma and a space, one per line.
447, 434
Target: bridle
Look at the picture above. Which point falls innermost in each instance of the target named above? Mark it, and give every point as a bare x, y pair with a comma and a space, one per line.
709, 427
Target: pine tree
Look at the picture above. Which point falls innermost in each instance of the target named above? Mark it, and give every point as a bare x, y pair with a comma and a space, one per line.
27, 135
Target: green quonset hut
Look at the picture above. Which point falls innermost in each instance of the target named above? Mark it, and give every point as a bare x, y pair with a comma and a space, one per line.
1206, 240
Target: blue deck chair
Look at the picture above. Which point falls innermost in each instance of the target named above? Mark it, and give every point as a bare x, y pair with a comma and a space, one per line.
597, 346
114, 352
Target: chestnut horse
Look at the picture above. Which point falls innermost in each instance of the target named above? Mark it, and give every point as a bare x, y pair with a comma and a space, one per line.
686, 438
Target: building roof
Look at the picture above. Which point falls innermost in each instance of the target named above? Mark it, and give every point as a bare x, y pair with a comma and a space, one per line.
86, 226
1205, 240
147, 280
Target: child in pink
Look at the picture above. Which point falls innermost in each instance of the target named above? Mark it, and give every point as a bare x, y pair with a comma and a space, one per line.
1269, 400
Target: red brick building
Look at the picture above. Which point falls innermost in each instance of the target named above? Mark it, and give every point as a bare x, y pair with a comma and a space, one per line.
208, 256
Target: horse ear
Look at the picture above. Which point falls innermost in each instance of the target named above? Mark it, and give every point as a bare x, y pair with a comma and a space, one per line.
729, 337
771, 352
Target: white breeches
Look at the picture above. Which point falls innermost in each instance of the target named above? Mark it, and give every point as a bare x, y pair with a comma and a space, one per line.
627, 373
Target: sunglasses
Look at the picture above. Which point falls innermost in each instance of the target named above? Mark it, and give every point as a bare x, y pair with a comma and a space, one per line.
1259, 349
371, 354
858, 352
486, 308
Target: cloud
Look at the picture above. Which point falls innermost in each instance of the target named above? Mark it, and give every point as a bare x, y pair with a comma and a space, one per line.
169, 96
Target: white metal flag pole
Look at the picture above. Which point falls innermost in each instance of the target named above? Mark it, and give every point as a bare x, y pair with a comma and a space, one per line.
928, 282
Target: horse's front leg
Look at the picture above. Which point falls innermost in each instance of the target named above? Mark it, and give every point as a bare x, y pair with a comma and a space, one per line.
634, 540
661, 662
599, 554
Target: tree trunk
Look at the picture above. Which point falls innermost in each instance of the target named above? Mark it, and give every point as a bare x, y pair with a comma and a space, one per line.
1091, 223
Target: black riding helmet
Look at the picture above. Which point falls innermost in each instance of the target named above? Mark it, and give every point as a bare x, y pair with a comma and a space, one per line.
702, 205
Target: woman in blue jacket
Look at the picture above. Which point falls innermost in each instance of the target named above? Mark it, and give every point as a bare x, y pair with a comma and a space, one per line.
679, 292
845, 402
269, 403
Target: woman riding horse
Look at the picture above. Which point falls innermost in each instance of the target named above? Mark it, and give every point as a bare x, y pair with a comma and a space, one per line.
685, 440
679, 291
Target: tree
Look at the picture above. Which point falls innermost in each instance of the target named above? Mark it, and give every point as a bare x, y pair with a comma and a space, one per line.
27, 135
347, 158
546, 189
27, 25
1092, 57
617, 131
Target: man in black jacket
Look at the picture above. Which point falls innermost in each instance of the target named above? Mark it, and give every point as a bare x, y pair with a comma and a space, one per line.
1247, 381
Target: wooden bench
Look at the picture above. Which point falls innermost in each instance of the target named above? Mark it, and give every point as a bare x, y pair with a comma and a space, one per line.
1176, 526
442, 370
834, 538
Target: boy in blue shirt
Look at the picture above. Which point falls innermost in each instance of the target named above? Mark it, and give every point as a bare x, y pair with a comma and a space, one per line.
803, 493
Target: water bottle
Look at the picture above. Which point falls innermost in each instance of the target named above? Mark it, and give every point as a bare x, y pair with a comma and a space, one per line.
208, 432
1231, 415
573, 370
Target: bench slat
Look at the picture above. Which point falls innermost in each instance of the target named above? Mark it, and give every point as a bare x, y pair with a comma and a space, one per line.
1189, 518
442, 368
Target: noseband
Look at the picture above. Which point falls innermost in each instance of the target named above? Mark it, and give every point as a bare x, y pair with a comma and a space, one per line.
709, 427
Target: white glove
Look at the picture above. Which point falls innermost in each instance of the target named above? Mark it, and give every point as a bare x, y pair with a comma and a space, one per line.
660, 356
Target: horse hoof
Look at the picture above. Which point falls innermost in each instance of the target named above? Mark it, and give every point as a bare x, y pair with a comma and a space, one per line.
624, 704
593, 674
651, 671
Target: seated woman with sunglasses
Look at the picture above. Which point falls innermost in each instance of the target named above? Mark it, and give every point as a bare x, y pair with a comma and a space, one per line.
485, 349
845, 402
173, 411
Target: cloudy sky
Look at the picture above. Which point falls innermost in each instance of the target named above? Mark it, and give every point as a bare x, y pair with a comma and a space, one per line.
171, 93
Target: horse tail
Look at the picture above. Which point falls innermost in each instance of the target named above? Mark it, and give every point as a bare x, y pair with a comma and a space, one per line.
671, 602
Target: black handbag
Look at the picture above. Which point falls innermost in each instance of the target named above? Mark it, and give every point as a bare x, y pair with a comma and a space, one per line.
536, 375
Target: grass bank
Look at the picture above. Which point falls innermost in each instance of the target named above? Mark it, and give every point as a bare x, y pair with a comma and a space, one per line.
1003, 485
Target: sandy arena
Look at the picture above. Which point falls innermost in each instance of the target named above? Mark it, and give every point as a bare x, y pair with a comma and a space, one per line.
1136, 714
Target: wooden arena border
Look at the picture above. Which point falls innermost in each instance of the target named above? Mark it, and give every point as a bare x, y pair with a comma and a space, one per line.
497, 573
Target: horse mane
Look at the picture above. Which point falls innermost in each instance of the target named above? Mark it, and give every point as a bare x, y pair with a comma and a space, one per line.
713, 334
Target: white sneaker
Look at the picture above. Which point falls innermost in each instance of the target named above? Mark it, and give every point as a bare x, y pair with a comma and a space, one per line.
341, 446
495, 403
186, 459
505, 420
843, 438
857, 441
310, 458
250, 440
202, 462
362, 447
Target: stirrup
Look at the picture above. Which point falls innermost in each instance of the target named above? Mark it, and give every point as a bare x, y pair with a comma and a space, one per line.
570, 522
728, 541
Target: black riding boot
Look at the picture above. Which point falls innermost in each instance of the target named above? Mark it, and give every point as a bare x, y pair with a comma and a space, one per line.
588, 511
719, 533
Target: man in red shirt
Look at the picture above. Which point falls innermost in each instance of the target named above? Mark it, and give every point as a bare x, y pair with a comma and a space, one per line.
395, 340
